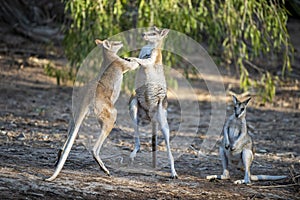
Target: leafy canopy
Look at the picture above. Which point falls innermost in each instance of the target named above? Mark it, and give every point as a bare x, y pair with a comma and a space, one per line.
241, 33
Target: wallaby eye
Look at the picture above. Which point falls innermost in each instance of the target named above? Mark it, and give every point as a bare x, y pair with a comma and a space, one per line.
242, 109
152, 34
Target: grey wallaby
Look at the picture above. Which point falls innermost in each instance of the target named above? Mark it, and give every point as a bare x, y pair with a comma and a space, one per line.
149, 103
237, 146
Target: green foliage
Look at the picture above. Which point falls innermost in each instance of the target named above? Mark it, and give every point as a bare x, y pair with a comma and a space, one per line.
240, 32
267, 87
249, 31
90, 20
61, 75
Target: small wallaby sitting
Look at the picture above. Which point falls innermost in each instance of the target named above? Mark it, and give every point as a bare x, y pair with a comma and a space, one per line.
237, 146
106, 94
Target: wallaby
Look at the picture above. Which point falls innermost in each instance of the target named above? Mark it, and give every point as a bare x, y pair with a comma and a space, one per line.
237, 146
106, 94
149, 103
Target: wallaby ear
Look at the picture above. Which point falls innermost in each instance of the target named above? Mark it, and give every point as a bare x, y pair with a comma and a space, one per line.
155, 28
106, 44
164, 32
247, 101
98, 42
234, 99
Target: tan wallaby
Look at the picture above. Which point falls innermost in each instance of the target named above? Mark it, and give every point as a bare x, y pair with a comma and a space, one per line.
237, 146
106, 94
149, 103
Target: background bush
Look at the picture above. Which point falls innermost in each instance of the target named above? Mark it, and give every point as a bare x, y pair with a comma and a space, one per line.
248, 35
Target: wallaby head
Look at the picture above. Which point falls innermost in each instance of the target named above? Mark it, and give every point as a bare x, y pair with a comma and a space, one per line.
155, 35
240, 107
113, 46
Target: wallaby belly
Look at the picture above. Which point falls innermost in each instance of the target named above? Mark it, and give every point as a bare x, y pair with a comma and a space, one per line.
234, 158
151, 94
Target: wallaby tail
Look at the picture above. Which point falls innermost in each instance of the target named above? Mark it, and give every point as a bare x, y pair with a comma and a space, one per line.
266, 177
67, 147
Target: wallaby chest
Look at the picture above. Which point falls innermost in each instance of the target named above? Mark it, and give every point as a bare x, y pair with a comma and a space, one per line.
109, 85
235, 128
150, 74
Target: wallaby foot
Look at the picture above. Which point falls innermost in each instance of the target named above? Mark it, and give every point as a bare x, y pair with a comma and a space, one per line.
173, 171
133, 153
106, 121
219, 177
137, 145
96, 151
174, 175
243, 181
224, 176
102, 166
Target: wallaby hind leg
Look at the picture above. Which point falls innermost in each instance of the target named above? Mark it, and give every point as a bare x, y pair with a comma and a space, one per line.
224, 160
136, 143
162, 119
107, 123
247, 157
133, 110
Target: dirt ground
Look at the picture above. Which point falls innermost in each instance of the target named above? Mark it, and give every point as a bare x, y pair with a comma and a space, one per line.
34, 116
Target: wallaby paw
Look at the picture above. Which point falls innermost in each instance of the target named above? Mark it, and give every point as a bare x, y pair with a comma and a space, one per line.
174, 176
127, 59
131, 59
227, 146
233, 148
